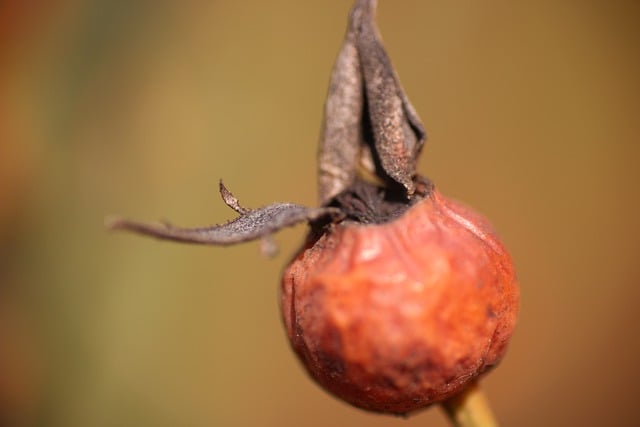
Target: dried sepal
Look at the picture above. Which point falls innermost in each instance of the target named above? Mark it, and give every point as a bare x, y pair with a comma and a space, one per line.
397, 130
367, 113
252, 224
341, 134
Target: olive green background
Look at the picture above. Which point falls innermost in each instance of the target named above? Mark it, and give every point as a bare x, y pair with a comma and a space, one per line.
139, 107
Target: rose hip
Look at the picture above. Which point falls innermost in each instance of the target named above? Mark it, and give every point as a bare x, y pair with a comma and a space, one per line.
394, 317
400, 298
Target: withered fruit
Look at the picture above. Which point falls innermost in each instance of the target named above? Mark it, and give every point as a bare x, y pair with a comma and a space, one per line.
393, 317
399, 298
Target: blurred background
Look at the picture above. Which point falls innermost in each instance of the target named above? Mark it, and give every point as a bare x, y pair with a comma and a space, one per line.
139, 107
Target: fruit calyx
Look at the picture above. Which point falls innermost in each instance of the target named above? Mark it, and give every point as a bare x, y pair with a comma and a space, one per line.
367, 203
369, 128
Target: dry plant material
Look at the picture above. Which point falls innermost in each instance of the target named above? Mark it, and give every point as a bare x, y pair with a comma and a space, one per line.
400, 298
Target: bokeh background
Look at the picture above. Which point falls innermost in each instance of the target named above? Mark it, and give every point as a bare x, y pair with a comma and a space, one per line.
139, 107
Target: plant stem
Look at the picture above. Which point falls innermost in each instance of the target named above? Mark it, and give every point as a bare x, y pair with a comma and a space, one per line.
470, 409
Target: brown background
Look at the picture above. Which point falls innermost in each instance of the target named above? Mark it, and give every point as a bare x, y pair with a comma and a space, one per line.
140, 107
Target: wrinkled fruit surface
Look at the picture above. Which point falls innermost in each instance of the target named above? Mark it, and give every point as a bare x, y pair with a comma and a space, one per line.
397, 316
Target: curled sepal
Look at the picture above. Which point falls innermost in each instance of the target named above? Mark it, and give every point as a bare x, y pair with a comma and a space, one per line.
252, 224
397, 130
368, 119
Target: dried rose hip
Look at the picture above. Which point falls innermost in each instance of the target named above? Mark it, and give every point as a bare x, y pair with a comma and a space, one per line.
399, 298
393, 317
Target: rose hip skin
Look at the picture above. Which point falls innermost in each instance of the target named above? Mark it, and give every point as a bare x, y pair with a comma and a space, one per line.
394, 317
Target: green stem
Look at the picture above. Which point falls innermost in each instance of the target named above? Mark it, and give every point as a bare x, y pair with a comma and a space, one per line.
470, 409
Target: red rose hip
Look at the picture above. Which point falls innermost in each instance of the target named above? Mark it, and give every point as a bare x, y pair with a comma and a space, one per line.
396, 316
400, 298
